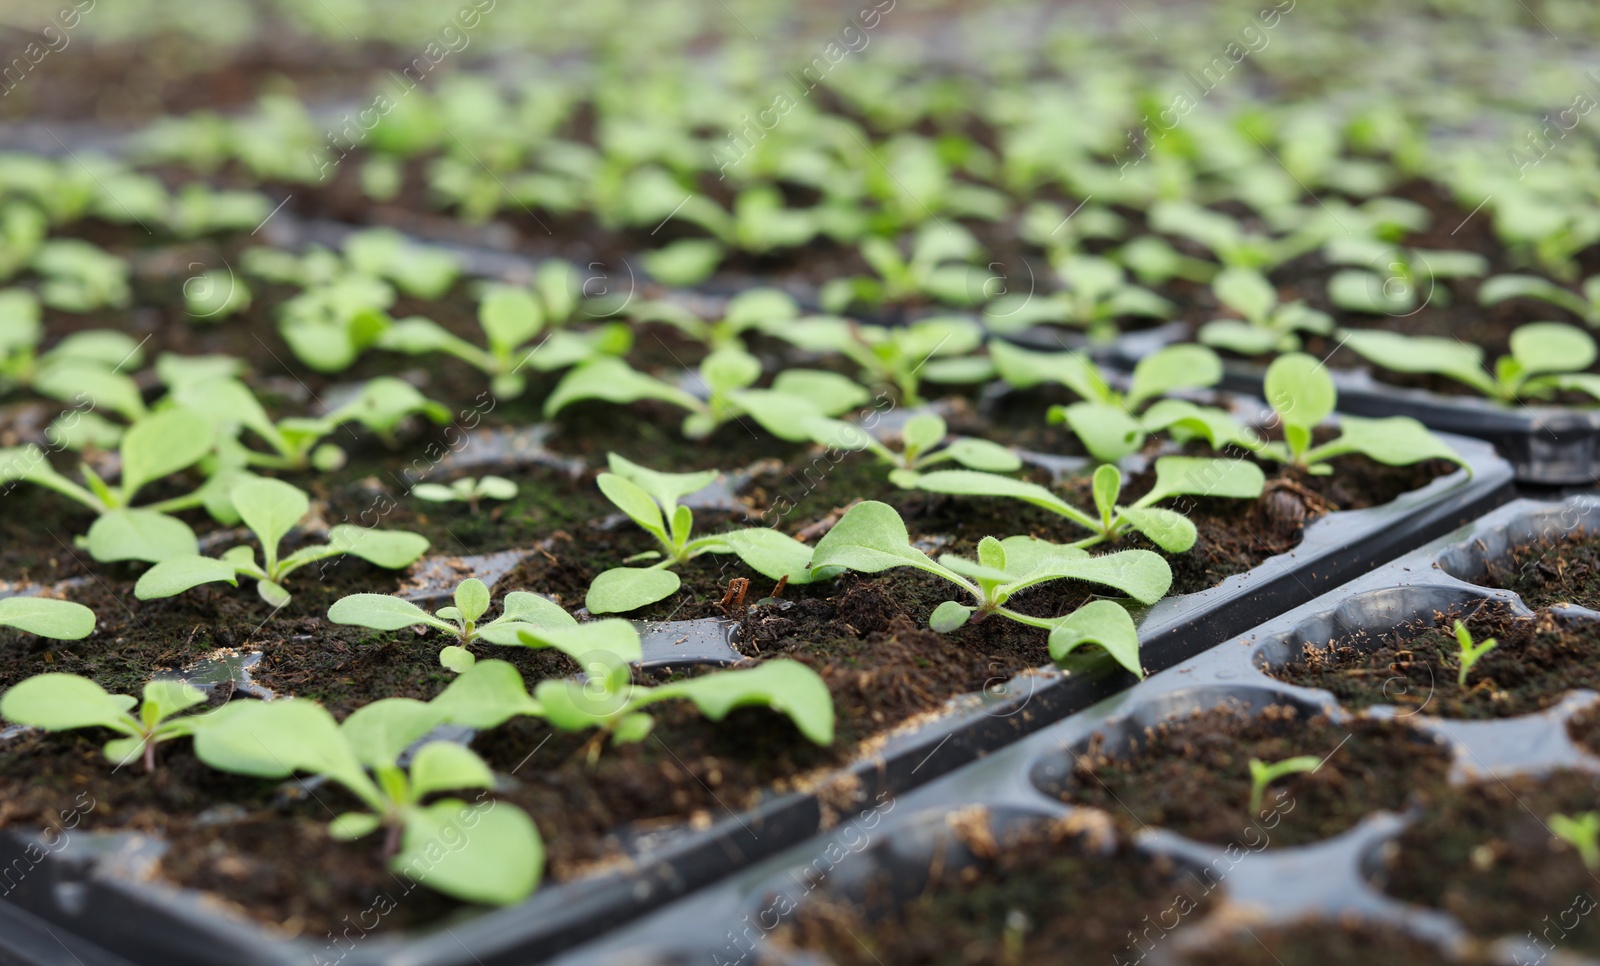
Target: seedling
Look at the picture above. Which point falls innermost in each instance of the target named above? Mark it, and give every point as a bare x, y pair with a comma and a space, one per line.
1582, 832
1268, 325
417, 270
467, 490
214, 295
765, 310
902, 356
924, 443
521, 611
83, 367
1303, 395
650, 499
297, 442
940, 268
727, 376
80, 277
1110, 423
153, 448
65, 702
270, 508
1470, 652
1263, 774
1391, 278
871, 537
488, 852
1094, 295
607, 699
512, 319
1585, 306
1232, 244
1168, 529
62, 620
1546, 358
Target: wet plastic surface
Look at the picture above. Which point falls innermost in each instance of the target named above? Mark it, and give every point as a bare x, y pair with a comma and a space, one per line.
1338, 879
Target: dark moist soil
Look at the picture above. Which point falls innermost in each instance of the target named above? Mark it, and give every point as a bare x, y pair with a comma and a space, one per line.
1324, 943
1563, 569
1192, 776
1584, 728
1484, 853
1415, 667
1042, 894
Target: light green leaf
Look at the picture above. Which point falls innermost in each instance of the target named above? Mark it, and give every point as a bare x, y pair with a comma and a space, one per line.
1108, 431
729, 368
472, 598
163, 699
981, 454
509, 317
1541, 347
59, 619
525, 607
173, 576
60, 702
1238, 479
391, 549
610, 379
1300, 390
612, 638
1167, 529
489, 852
1101, 622
485, 695
442, 766
1245, 291
456, 658
970, 483
869, 538
379, 731
162, 444
831, 392
1453, 358
622, 589
631, 499
949, 616
775, 554
1172, 368
1106, 485
352, 825
665, 488
783, 685
271, 508
275, 739
1244, 338
379, 611
1395, 441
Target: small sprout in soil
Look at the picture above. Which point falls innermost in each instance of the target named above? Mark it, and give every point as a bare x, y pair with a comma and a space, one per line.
1263, 774
1113, 424
83, 365
467, 490
520, 611
940, 269
1168, 529
1232, 244
650, 499
153, 448
1394, 281
871, 537
923, 441
63, 620
727, 376
939, 349
271, 508
381, 406
1470, 652
417, 270
1585, 306
511, 319
214, 295
1094, 295
64, 702
1582, 832
608, 699
1268, 325
1546, 358
78, 276
1303, 395
483, 851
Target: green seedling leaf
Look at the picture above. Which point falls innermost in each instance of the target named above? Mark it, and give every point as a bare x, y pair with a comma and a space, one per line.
783, 685
1173, 368
379, 612
621, 589
380, 731
162, 444
485, 695
472, 598
488, 853
1263, 774
174, 575
949, 616
1470, 652
1582, 832
390, 549
1101, 622
775, 554
62, 620
62, 702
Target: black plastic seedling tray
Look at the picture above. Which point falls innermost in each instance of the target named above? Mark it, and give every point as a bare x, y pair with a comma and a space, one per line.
1337, 880
91, 892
